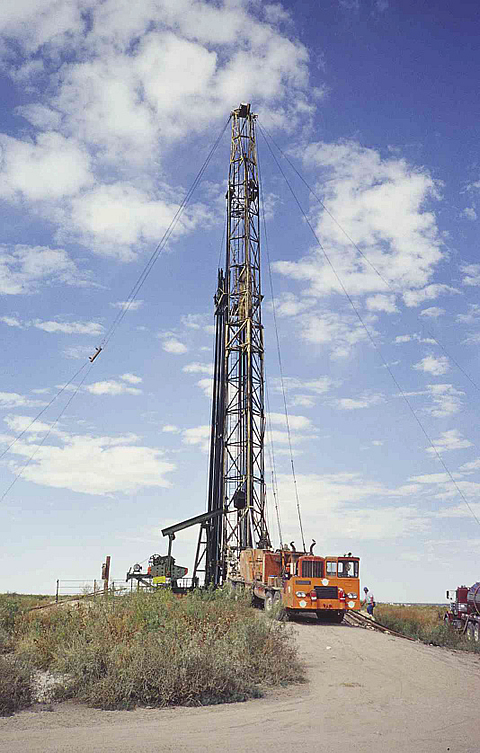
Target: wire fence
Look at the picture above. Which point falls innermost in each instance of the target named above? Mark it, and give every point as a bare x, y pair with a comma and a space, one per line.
88, 588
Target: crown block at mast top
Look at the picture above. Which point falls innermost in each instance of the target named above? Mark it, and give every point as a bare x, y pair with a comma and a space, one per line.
244, 111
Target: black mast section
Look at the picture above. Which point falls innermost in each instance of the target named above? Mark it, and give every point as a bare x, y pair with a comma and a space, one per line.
236, 480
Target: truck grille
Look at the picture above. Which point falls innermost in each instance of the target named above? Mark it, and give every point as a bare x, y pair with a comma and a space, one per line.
326, 592
312, 569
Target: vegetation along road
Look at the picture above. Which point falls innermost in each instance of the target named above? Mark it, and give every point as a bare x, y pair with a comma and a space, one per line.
366, 691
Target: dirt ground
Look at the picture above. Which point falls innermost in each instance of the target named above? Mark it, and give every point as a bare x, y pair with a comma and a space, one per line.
367, 693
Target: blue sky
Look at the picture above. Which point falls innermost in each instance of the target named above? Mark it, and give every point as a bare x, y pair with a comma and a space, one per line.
110, 109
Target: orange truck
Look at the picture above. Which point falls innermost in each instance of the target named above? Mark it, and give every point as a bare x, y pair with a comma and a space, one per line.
301, 582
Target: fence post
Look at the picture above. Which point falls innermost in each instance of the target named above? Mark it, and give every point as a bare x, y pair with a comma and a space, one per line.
56, 595
94, 588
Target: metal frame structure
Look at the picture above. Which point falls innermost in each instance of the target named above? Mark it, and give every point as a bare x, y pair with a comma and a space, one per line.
236, 481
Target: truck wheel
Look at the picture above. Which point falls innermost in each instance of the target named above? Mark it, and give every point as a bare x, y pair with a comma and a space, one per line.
469, 632
268, 603
476, 633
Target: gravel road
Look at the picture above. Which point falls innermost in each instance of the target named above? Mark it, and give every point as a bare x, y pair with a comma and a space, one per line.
367, 693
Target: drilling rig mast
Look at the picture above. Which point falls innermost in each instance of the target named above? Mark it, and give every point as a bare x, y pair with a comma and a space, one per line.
236, 476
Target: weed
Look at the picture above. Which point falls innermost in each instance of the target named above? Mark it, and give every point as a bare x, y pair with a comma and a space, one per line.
425, 623
157, 649
15, 685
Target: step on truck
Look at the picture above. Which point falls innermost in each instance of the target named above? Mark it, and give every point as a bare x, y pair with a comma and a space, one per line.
299, 582
464, 612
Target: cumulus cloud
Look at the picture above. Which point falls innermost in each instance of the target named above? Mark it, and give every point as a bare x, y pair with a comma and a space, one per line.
68, 328
198, 436
414, 298
198, 368
104, 66
348, 403
448, 441
131, 378
24, 268
469, 213
339, 332
89, 464
382, 204
14, 400
51, 168
127, 305
170, 429
433, 312
207, 386
172, 345
112, 387
433, 365
350, 500
472, 274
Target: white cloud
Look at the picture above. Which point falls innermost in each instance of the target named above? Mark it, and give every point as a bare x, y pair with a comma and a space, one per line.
416, 297
472, 316
381, 302
128, 305
53, 167
172, 345
131, 378
289, 304
432, 365
89, 464
198, 368
111, 387
14, 400
198, 436
382, 205
416, 337
473, 465
206, 385
78, 352
104, 67
340, 332
171, 429
24, 268
11, 321
69, 328
293, 384
448, 441
433, 312
472, 274
351, 501
296, 423
469, 213
348, 403
446, 399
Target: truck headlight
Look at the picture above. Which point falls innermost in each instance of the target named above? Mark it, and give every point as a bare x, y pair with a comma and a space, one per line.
300, 594
462, 607
352, 596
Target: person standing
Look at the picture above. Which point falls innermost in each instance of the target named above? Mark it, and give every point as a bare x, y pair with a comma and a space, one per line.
369, 601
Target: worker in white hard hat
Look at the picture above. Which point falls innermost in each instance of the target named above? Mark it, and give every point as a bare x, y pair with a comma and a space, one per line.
369, 600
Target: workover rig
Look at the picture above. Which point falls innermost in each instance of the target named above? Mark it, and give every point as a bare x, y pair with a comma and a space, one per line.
234, 543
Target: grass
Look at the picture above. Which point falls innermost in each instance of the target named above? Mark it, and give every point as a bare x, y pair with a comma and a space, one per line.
424, 623
15, 685
156, 649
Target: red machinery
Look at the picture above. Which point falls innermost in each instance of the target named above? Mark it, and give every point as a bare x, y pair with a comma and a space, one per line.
464, 612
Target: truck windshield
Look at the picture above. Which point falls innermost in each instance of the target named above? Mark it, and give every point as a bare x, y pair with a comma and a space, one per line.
348, 568
312, 569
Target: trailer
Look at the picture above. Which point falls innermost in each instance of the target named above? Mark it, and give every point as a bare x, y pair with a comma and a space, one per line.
464, 612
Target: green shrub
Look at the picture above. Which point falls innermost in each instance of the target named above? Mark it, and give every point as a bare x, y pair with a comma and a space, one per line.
15, 685
157, 649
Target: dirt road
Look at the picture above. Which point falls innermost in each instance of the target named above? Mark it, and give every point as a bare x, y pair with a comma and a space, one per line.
367, 693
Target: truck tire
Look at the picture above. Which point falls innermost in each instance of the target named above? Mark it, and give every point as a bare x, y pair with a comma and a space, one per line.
268, 603
469, 633
476, 632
